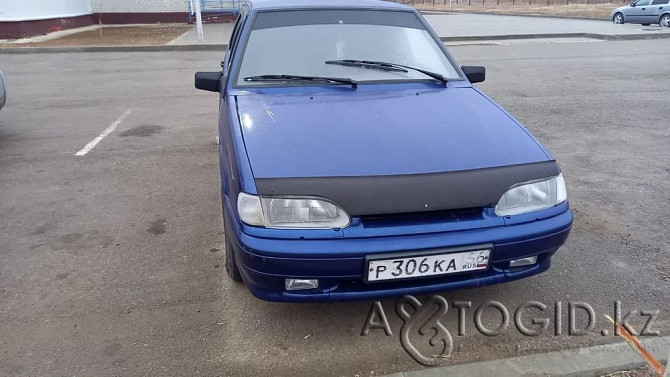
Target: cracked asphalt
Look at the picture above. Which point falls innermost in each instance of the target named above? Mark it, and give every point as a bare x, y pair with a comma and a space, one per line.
111, 263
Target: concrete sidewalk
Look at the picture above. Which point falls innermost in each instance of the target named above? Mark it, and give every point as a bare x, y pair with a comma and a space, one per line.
462, 26
488, 25
590, 361
215, 34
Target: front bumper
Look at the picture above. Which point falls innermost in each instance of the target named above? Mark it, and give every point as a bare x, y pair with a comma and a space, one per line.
264, 263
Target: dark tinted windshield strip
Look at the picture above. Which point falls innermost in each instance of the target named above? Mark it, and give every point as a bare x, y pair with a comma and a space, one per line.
274, 19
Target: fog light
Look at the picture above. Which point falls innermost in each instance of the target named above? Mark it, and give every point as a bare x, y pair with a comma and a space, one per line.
523, 261
300, 284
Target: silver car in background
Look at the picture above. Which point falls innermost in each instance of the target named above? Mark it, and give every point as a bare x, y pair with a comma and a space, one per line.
645, 12
3, 91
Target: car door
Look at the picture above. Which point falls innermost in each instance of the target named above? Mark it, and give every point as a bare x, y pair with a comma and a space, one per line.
656, 8
637, 14
3, 91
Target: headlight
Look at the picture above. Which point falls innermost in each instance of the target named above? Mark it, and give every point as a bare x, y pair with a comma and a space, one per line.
532, 196
249, 208
290, 212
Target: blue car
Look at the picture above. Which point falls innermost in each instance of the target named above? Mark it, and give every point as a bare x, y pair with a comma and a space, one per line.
358, 161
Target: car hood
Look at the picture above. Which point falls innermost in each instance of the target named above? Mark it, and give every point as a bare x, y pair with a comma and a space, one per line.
619, 9
356, 133
388, 152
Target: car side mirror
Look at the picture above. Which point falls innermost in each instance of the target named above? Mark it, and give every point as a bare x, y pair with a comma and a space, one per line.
208, 81
632, 4
474, 73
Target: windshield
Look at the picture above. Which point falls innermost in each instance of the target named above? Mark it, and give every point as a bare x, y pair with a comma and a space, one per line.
300, 43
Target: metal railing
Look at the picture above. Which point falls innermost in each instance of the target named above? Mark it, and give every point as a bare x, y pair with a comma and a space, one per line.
213, 8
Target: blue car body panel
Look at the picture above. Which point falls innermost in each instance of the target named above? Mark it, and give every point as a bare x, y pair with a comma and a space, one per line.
375, 130
339, 264
379, 130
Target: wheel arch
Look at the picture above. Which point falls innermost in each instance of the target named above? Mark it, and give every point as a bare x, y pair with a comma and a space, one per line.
623, 17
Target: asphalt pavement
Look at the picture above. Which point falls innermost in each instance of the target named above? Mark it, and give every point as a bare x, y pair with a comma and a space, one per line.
111, 262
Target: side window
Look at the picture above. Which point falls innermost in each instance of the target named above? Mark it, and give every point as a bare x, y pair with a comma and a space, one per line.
659, 2
235, 36
235, 28
642, 3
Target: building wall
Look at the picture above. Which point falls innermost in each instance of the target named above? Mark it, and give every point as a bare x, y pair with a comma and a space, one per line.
28, 10
138, 6
25, 18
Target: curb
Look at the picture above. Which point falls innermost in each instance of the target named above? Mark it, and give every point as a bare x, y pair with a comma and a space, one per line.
222, 47
627, 37
512, 36
429, 11
589, 361
604, 37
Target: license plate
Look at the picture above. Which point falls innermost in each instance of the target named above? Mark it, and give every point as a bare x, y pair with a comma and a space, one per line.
427, 265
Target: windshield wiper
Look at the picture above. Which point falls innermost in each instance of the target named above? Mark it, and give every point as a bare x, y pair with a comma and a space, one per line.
338, 80
384, 66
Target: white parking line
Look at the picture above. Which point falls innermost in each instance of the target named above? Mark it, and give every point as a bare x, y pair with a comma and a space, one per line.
87, 148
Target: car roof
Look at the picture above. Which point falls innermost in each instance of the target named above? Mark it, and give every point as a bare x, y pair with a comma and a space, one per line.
324, 4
